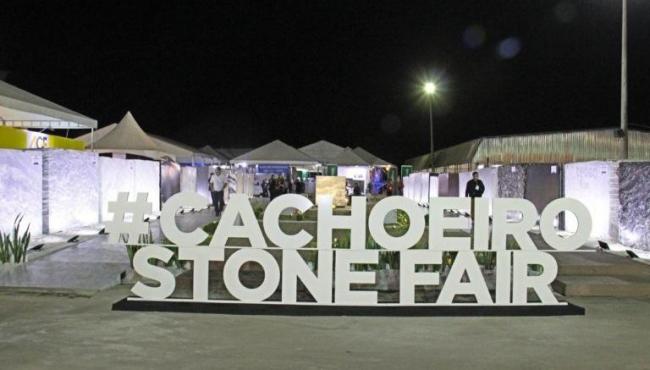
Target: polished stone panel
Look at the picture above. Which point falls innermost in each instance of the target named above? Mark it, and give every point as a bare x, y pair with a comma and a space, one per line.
21, 185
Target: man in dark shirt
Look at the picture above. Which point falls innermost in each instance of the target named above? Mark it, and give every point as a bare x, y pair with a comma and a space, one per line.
474, 187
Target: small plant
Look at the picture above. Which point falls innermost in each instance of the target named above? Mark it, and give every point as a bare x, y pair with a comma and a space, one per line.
13, 246
259, 212
299, 216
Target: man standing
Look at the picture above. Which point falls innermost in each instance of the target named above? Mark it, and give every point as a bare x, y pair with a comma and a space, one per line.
217, 184
474, 187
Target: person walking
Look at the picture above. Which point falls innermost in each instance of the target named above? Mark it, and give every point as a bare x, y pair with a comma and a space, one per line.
217, 185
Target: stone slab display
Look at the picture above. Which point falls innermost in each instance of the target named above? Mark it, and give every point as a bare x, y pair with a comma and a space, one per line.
72, 193
115, 175
170, 179
188, 179
589, 182
634, 204
202, 175
543, 184
512, 181
21, 189
333, 186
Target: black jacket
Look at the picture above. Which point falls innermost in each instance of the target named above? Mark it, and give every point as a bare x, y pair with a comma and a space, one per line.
474, 188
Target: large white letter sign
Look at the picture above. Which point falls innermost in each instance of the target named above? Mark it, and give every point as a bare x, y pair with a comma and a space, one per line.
438, 223
521, 281
344, 277
408, 278
200, 257
519, 230
548, 230
355, 222
294, 267
168, 219
143, 268
465, 262
272, 219
250, 229
378, 215
340, 279
235, 286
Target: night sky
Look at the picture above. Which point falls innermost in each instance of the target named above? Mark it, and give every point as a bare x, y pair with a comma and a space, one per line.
240, 74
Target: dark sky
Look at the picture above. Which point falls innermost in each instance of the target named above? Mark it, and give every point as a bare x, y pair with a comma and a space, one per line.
240, 74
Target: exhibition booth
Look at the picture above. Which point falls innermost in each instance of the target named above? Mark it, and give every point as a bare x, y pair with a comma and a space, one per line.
46, 178
277, 159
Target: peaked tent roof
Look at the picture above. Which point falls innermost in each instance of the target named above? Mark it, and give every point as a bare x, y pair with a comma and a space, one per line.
275, 152
184, 153
323, 151
230, 153
126, 135
21, 104
349, 158
372, 159
98, 134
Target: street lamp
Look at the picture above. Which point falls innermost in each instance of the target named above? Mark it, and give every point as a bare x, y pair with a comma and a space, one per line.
429, 91
624, 128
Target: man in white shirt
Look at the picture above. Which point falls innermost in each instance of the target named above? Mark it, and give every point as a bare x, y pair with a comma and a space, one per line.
217, 184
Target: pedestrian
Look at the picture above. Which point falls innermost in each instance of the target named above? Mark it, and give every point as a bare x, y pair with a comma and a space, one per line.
474, 187
217, 184
273, 187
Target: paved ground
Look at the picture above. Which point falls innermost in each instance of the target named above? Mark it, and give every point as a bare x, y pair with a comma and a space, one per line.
39, 332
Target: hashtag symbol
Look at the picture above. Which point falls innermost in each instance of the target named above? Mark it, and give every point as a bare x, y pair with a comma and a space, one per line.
121, 208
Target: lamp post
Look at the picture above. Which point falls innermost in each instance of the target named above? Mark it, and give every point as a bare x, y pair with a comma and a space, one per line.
429, 91
625, 149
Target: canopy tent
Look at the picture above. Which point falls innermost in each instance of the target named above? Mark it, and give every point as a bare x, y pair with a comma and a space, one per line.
323, 151
275, 152
230, 153
184, 153
213, 152
19, 108
372, 159
98, 134
348, 157
127, 137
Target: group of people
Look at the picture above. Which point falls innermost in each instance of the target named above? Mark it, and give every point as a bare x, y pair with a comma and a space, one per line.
276, 186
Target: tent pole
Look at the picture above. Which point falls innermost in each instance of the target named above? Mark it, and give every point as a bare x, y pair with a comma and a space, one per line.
92, 138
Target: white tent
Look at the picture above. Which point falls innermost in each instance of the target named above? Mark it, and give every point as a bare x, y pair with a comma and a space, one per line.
184, 153
127, 137
349, 158
98, 134
275, 152
19, 108
372, 159
323, 151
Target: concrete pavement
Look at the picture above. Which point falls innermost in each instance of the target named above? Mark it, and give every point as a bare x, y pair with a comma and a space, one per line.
45, 331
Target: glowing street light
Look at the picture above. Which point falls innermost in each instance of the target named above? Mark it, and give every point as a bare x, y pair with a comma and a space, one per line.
429, 91
429, 88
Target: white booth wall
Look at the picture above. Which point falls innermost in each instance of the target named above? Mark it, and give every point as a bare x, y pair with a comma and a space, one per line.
128, 175
21, 189
589, 183
72, 193
490, 178
419, 186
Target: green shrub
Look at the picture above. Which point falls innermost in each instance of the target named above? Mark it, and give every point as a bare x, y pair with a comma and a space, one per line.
13, 246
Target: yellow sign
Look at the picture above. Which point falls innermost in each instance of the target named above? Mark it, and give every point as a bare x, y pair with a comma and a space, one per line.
13, 138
